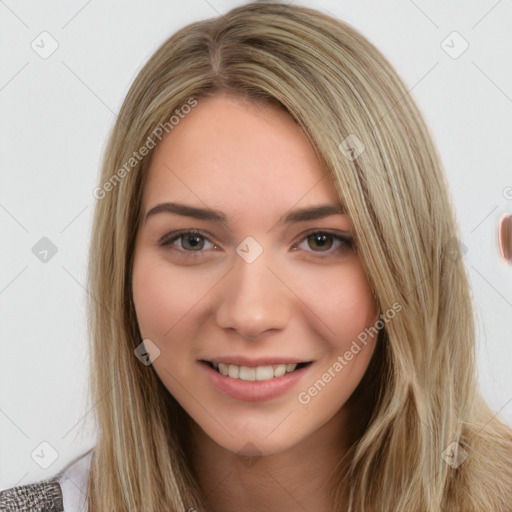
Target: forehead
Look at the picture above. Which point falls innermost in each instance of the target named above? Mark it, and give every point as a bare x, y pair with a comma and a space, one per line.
231, 154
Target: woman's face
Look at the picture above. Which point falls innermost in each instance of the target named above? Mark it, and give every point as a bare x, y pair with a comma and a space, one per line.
266, 280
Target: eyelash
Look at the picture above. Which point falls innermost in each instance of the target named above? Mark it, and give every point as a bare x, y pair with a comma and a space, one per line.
346, 241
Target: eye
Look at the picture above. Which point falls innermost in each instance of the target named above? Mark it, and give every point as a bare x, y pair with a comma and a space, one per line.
325, 242
195, 243
188, 241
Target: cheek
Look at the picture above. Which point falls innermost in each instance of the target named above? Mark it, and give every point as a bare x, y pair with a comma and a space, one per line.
356, 309
347, 311
155, 303
342, 301
161, 306
165, 297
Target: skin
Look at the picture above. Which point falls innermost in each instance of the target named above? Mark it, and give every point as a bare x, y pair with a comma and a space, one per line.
298, 299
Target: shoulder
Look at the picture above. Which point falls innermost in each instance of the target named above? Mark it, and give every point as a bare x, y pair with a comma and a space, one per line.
64, 492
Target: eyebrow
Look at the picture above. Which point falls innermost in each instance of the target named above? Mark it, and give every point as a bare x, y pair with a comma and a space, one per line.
299, 215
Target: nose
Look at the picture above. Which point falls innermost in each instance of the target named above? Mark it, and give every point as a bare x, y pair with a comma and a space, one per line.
252, 300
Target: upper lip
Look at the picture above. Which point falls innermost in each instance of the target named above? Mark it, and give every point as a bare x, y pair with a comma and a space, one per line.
260, 361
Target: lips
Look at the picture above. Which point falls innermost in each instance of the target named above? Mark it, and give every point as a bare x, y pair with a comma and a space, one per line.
255, 382
260, 372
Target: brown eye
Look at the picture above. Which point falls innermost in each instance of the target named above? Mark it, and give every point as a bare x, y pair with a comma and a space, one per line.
192, 242
320, 241
326, 244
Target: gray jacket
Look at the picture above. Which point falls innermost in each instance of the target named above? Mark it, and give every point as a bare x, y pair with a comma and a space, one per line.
64, 492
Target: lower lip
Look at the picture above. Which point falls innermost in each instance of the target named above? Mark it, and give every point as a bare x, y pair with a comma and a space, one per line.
255, 390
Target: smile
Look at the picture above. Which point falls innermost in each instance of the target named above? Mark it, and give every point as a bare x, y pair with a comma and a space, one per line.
259, 373
254, 380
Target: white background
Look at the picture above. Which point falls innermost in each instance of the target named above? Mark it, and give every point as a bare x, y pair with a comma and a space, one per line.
56, 114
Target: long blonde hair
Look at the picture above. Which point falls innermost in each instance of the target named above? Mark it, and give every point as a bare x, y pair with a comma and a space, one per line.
423, 386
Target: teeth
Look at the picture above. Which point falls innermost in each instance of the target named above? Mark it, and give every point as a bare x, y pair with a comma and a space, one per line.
258, 373
264, 372
280, 370
246, 373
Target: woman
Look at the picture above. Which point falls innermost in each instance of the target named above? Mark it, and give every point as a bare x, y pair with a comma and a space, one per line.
280, 317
